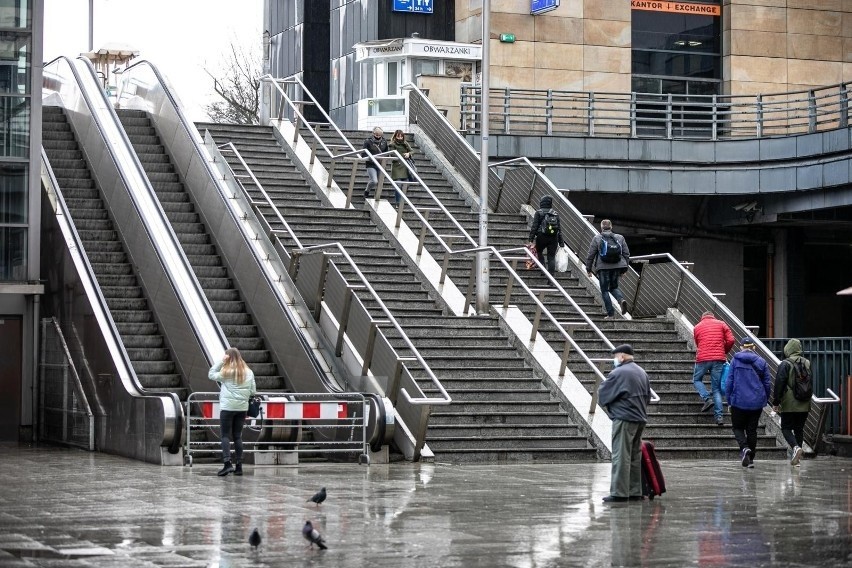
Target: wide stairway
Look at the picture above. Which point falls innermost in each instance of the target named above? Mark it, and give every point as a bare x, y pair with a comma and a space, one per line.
501, 410
676, 424
224, 298
139, 331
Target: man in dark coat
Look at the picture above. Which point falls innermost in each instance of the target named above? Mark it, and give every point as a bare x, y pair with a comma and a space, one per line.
546, 238
374, 144
747, 390
625, 395
608, 269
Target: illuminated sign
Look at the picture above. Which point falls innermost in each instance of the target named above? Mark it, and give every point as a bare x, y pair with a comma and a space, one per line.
542, 6
414, 6
677, 7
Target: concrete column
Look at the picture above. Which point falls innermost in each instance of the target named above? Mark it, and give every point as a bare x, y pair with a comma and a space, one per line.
780, 282
719, 266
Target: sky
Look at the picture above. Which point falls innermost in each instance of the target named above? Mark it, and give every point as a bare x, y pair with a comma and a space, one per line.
181, 37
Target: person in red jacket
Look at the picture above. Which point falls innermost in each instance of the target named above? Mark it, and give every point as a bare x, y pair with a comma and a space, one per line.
713, 340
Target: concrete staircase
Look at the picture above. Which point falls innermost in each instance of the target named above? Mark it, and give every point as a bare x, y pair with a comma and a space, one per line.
501, 410
224, 298
676, 425
139, 330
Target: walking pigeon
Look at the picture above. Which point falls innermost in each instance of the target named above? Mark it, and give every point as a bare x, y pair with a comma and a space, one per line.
319, 497
254, 539
313, 536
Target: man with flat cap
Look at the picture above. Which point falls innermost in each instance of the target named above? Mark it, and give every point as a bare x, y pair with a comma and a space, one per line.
625, 395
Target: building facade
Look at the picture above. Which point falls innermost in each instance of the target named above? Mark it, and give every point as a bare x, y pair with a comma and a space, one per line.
21, 24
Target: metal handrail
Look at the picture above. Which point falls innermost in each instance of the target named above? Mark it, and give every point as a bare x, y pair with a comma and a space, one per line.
267, 201
78, 383
445, 397
695, 116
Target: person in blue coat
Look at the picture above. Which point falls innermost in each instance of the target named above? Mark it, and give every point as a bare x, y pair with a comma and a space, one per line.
748, 390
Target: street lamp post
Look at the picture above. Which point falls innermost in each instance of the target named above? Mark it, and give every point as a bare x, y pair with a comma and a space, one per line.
483, 258
91, 25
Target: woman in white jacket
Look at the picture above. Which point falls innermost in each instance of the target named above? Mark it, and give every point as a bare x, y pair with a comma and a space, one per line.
237, 386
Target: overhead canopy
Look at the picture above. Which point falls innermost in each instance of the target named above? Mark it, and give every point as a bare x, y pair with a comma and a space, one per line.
113, 53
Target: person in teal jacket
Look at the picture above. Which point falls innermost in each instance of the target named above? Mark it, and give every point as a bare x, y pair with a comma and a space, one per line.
236, 387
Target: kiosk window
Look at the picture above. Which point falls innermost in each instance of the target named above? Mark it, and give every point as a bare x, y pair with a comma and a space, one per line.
425, 67
392, 69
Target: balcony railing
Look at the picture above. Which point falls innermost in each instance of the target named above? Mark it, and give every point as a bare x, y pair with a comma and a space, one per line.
703, 117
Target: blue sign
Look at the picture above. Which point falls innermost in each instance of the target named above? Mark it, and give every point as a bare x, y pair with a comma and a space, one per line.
542, 6
414, 6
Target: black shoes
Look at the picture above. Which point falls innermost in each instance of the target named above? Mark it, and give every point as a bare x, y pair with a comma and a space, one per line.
637, 497
720, 422
238, 470
708, 404
226, 469
615, 499
623, 307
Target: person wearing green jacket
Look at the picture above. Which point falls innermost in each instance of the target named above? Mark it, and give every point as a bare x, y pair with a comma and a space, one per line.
794, 412
398, 171
236, 382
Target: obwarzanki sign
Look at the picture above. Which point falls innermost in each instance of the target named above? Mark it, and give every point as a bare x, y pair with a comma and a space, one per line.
418, 48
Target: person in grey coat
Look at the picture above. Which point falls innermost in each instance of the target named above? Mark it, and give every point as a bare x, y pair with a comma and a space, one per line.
625, 395
608, 269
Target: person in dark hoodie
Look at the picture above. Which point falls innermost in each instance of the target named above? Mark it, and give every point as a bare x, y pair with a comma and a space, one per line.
748, 390
546, 232
609, 269
794, 412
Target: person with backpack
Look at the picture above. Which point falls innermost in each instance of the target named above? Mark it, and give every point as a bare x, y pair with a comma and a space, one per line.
546, 232
609, 258
791, 397
374, 144
748, 390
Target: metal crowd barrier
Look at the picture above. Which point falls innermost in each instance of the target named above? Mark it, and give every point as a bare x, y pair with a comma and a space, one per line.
338, 423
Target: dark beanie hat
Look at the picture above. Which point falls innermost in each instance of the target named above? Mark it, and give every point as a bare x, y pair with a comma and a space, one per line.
626, 348
546, 201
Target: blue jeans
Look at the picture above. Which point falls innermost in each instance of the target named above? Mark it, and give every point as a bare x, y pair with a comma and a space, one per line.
609, 283
715, 370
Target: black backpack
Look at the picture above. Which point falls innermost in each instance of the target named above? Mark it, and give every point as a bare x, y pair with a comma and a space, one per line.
610, 249
803, 385
549, 223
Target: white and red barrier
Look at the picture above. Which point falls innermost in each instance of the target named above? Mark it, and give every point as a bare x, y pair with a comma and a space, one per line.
285, 409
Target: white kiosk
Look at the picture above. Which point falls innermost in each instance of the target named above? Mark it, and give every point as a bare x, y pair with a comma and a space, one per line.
390, 64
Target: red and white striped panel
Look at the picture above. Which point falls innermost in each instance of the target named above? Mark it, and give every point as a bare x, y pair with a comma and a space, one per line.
283, 409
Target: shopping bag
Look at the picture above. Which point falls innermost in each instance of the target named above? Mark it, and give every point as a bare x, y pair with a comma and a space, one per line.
562, 259
726, 370
530, 264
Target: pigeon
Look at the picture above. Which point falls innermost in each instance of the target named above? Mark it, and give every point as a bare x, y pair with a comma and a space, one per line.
319, 497
313, 536
254, 539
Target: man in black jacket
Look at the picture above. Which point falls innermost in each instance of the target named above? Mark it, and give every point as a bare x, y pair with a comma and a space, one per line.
625, 395
546, 237
375, 144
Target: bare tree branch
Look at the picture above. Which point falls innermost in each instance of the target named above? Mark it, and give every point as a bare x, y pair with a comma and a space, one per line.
237, 85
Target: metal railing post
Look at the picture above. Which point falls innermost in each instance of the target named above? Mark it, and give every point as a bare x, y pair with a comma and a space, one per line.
669, 116
633, 126
759, 106
844, 106
591, 115
812, 111
507, 109
715, 128
549, 112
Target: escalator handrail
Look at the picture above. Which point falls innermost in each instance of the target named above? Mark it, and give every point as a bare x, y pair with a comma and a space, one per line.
185, 285
106, 324
198, 146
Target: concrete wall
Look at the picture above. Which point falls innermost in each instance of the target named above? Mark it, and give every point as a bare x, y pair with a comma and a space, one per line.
444, 94
772, 46
718, 265
584, 45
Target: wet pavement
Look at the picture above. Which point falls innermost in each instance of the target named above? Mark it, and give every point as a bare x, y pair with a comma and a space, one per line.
72, 508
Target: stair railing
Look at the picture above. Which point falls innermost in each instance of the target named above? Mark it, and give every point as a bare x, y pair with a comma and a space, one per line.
64, 413
172, 410
320, 281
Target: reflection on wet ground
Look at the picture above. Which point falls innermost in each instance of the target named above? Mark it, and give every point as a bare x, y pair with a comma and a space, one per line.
71, 508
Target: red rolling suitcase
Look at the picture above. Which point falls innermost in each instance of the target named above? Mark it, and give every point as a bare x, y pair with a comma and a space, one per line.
653, 482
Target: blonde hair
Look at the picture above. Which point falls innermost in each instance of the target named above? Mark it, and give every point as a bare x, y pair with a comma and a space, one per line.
234, 368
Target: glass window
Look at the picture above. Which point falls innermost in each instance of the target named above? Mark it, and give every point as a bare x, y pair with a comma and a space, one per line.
14, 63
13, 253
14, 126
392, 69
15, 13
13, 193
458, 69
425, 66
675, 64
670, 31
